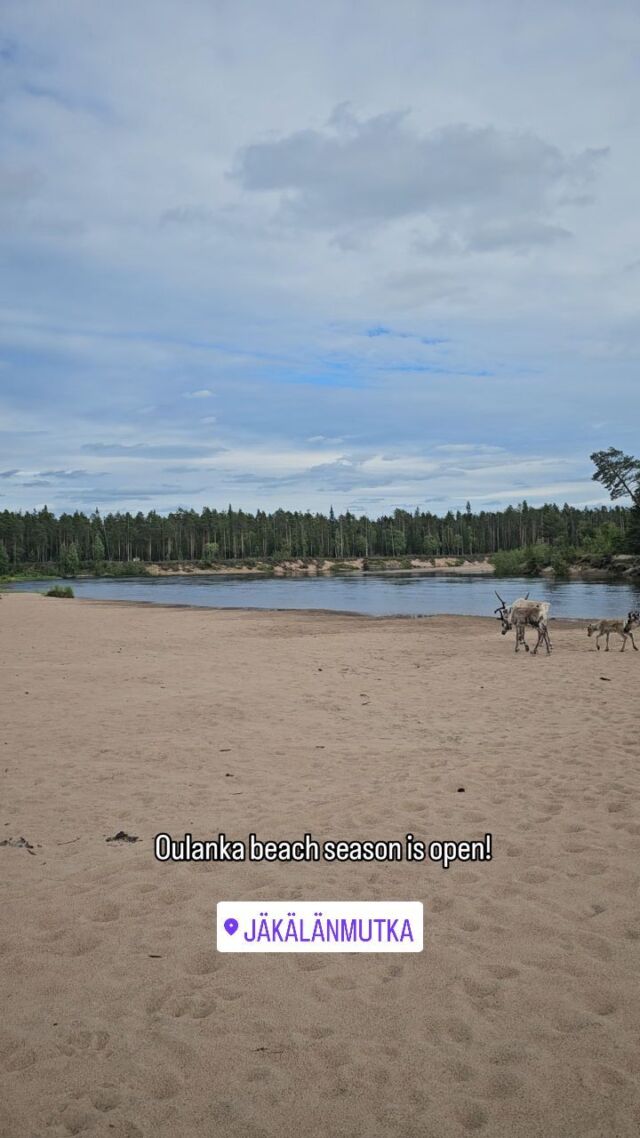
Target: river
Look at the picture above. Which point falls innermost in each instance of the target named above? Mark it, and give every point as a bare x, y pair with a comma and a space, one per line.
373, 594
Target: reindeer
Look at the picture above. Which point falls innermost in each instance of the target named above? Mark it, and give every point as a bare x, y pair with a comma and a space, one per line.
620, 627
523, 614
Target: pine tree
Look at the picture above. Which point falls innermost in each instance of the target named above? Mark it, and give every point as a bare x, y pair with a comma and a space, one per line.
70, 561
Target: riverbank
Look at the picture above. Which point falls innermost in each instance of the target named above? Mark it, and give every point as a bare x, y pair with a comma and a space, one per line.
318, 566
614, 568
520, 1017
293, 567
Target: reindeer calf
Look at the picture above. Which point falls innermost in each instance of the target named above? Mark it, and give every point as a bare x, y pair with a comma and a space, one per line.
620, 627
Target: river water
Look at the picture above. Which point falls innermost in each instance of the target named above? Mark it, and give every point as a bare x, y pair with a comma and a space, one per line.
382, 594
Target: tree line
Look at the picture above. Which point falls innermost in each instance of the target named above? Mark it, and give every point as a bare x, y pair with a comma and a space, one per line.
41, 538
73, 540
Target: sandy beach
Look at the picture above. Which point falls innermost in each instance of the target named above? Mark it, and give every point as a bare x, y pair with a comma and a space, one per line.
521, 1017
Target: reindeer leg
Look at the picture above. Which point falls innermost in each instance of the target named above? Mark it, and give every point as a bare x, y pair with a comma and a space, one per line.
624, 641
635, 646
607, 634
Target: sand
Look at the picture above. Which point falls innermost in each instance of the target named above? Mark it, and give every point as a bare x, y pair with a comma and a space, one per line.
311, 567
521, 1016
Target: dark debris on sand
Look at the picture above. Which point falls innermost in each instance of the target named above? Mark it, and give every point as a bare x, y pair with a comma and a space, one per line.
18, 843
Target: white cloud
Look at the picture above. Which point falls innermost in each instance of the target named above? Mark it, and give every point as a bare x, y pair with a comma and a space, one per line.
483, 188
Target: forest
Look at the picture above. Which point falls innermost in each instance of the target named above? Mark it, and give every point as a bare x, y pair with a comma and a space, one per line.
520, 538
75, 541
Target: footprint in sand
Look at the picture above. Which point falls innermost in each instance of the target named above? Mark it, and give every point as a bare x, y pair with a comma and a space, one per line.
106, 1099
459, 1031
480, 989
76, 1118
535, 876
19, 1058
440, 904
107, 911
164, 1084
341, 983
311, 965
203, 963
83, 1039
189, 1006
393, 972
610, 1076
65, 943
319, 1032
503, 971
505, 1053
572, 1021
461, 1072
502, 1085
472, 1116
602, 1003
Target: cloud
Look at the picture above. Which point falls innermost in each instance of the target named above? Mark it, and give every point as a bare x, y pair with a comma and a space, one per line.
481, 186
148, 451
381, 282
17, 183
109, 498
71, 475
189, 216
519, 235
379, 330
469, 448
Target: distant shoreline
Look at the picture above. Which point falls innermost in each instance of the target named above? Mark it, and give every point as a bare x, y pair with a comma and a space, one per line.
312, 567
619, 568
254, 567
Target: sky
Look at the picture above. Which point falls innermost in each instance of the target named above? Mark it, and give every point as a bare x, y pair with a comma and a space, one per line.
297, 255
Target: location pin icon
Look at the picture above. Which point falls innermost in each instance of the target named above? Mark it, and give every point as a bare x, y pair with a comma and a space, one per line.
231, 925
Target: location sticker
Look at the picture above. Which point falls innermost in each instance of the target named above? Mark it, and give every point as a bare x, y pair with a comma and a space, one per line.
319, 926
